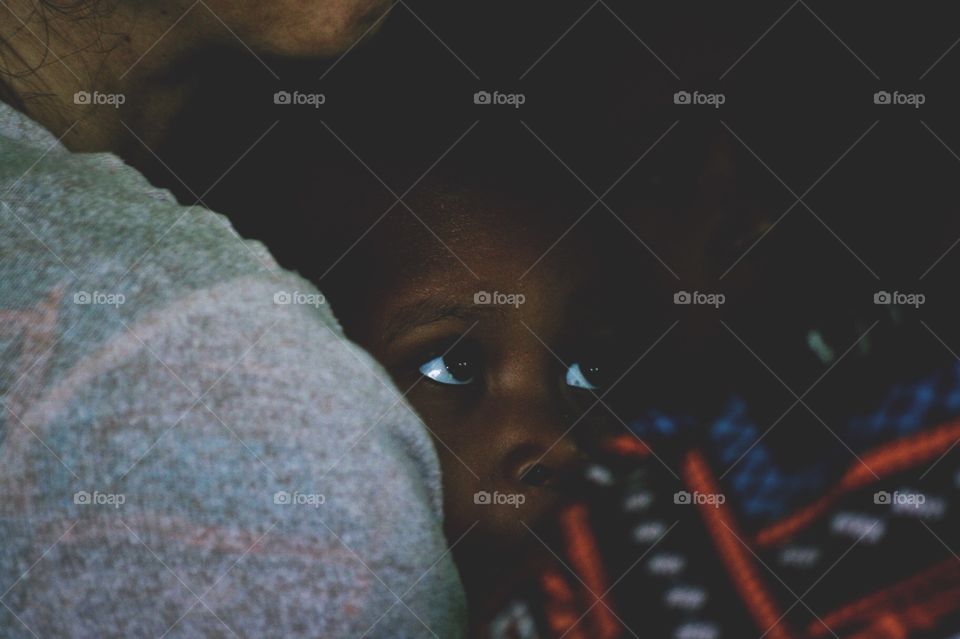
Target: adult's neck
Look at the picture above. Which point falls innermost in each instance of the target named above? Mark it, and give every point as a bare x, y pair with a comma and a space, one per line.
109, 81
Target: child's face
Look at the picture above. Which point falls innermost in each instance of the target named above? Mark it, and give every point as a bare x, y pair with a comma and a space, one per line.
502, 386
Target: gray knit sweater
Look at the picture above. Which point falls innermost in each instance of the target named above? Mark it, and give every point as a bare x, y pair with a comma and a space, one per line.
188, 445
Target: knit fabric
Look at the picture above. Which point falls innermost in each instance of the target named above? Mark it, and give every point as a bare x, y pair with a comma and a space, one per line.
189, 447
719, 539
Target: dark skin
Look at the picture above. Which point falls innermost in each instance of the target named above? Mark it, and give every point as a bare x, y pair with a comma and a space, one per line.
503, 388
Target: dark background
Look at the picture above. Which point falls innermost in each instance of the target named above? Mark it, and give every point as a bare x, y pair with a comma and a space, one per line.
599, 81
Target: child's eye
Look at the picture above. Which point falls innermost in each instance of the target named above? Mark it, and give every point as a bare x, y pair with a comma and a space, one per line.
580, 376
451, 368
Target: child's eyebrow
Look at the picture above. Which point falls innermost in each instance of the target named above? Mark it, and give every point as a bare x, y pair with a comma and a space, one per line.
428, 311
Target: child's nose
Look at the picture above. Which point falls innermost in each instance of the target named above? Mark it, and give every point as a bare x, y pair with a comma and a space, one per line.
549, 458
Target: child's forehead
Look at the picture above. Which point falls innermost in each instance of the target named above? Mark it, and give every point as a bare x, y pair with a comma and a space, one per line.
488, 259
547, 306
486, 228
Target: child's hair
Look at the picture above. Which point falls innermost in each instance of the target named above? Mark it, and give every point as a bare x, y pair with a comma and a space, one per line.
510, 184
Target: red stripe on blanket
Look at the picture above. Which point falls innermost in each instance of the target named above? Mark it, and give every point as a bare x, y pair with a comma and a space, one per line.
884, 461
560, 606
736, 557
919, 602
585, 556
627, 446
